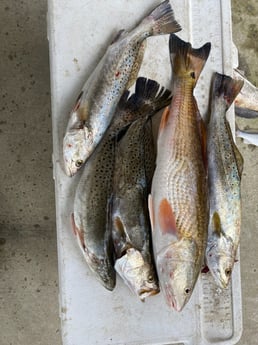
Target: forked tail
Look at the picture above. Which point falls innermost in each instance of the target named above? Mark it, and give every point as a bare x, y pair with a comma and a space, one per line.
162, 20
226, 87
185, 60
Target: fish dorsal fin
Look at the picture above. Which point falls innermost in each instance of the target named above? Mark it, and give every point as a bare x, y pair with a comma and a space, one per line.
226, 87
137, 65
186, 60
164, 120
167, 219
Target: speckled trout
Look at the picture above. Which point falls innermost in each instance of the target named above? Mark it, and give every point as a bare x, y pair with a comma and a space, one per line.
90, 218
134, 167
225, 165
117, 71
178, 200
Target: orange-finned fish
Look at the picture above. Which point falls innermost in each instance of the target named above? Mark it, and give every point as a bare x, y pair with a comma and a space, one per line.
225, 165
101, 93
178, 200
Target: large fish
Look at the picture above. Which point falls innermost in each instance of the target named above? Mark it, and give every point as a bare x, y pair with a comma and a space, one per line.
246, 102
178, 200
90, 220
100, 95
225, 166
134, 167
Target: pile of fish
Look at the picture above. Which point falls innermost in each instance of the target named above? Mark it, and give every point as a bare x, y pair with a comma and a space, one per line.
153, 217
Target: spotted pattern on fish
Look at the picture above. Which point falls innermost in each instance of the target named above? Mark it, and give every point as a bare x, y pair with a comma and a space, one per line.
224, 175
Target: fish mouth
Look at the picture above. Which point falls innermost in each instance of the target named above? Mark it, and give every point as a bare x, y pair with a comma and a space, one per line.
145, 292
223, 283
172, 301
68, 171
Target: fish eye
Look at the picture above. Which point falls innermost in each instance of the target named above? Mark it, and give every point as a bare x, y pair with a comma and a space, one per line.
150, 279
79, 163
227, 272
187, 290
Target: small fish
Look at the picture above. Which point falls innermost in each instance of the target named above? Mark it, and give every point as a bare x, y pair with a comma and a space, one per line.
246, 102
117, 71
134, 167
90, 219
225, 165
178, 200
249, 137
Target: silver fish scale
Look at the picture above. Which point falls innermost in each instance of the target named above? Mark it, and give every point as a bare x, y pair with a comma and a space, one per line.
224, 170
183, 184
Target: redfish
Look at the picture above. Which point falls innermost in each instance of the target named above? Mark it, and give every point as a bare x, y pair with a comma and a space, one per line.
225, 165
116, 72
178, 200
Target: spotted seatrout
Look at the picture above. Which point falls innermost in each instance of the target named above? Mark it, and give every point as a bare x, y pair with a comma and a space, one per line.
178, 200
225, 166
134, 167
100, 95
90, 220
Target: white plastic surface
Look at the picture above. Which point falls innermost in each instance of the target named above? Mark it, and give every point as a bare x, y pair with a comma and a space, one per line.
79, 32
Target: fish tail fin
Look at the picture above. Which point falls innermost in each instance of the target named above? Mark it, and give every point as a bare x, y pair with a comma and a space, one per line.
185, 60
162, 20
226, 87
149, 95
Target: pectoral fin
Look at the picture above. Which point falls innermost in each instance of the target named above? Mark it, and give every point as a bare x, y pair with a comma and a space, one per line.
167, 219
216, 224
164, 120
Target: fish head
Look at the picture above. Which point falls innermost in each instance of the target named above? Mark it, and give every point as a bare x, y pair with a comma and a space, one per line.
178, 270
77, 147
220, 258
137, 273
